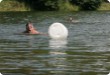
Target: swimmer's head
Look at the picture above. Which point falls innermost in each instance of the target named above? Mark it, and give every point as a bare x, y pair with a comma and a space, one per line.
29, 26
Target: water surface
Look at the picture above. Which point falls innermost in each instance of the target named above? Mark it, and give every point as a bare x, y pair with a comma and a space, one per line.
86, 51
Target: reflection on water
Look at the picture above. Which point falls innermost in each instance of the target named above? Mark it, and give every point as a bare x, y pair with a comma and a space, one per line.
58, 53
57, 44
31, 41
58, 63
85, 52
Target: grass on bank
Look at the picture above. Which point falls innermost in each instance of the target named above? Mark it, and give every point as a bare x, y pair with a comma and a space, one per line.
66, 6
69, 7
12, 5
104, 6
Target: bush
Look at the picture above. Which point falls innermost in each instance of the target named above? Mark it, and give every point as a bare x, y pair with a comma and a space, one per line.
41, 4
87, 4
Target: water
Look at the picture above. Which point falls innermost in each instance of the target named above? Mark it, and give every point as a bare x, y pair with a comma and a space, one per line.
85, 52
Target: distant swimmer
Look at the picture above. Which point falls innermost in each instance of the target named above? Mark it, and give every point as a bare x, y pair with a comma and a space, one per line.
30, 29
71, 19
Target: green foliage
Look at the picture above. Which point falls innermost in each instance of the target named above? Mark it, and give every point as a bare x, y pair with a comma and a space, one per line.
77, 2
87, 4
41, 4
65, 5
62, 4
91, 5
12, 5
51, 5
104, 6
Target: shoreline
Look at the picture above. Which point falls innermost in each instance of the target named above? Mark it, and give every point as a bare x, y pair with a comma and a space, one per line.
6, 6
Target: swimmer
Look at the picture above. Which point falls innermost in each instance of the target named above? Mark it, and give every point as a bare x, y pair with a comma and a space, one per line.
30, 29
71, 19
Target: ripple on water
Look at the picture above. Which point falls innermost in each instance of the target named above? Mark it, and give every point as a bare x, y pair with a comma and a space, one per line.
85, 52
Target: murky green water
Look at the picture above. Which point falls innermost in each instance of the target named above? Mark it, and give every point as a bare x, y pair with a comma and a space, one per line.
85, 52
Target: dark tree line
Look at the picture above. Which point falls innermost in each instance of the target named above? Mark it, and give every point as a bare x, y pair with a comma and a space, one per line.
54, 4
87, 4
41, 4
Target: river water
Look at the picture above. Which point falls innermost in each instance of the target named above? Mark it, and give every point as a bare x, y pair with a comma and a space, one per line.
86, 51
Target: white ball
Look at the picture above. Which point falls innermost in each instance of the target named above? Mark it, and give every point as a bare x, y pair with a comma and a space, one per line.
1, 74
58, 31
1, 0
108, 74
109, 0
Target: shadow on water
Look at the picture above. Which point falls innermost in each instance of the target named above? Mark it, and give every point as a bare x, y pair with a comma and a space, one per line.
85, 52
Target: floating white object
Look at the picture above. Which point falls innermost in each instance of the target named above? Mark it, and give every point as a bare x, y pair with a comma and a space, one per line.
108, 74
108, 0
1, 74
1, 0
58, 31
